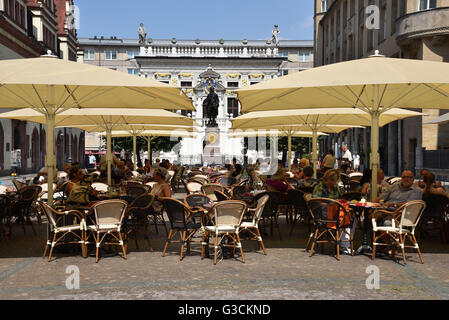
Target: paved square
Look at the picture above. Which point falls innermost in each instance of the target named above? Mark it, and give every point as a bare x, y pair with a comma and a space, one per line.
286, 272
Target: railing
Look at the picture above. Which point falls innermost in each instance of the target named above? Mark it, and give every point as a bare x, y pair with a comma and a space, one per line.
436, 159
215, 51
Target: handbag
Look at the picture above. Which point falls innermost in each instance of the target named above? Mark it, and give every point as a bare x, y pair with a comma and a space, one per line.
344, 218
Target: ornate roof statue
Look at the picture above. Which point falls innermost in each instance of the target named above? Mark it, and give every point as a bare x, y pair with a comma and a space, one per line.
142, 34
275, 34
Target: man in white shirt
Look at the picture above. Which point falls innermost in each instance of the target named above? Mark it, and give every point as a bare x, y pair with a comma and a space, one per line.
346, 156
92, 161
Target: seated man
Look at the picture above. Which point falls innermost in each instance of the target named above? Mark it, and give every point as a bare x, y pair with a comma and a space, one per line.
401, 193
307, 180
121, 171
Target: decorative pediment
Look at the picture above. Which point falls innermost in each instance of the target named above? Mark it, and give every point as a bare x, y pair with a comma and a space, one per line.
256, 75
233, 75
160, 75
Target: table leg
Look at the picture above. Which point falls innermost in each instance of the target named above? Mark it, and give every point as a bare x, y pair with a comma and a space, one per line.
364, 245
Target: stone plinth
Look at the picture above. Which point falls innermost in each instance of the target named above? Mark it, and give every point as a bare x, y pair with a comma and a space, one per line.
212, 150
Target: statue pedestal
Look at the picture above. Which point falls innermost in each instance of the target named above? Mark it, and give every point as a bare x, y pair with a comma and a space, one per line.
212, 150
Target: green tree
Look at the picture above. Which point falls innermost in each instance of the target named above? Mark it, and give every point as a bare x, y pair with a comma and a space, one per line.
157, 144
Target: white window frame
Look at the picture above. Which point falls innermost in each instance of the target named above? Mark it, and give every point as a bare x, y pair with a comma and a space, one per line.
87, 54
324, 6
304, 56
111, 54
427, 5
133, 54
133, 71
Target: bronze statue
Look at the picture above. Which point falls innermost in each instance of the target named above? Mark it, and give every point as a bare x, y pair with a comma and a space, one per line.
211, 103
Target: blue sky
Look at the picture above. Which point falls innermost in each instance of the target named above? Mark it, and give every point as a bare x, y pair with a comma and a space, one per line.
191, 19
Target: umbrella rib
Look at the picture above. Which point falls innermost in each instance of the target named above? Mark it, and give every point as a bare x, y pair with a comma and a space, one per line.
24, 100
403, 96
333, 96
359, 98
71, 95
443, 93
87, 96
383, 94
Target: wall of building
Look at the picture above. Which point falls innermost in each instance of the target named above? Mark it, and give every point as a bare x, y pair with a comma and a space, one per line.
408, 34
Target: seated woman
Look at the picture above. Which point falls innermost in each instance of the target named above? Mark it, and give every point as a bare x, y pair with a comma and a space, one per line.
79, 189
328, 187
421, 183
430, 188
278, 181
365, 182
161, 189
148, 169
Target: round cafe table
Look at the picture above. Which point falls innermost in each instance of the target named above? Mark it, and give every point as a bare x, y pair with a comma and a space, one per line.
360, 209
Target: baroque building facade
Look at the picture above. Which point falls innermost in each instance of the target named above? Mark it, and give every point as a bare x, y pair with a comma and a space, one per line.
28, 29
412, 29
193, 66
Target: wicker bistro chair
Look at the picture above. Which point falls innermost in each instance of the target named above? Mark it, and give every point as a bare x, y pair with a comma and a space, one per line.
227, 181
208, 190
253, 226
198, 200
5, 206
100, 187
436, 216
299, 208
227, 220
237, 192
326, 225
22, 208
404, 221
193, 187
271, 210
136, 217
221, 196
136, 190
60, 231
17, 184
109, 216
182, 221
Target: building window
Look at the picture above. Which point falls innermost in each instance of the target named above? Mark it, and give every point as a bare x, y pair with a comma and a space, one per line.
383, 23
427, 4
186, 84
304, 56
284, 72
89, 54
324, 5
115, 69
133, 54
283, 54
234, 84
254, 82
233, 107
394, 16
134, 72
111, 55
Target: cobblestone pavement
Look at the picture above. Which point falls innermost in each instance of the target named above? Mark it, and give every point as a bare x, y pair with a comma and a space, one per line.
286, 272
